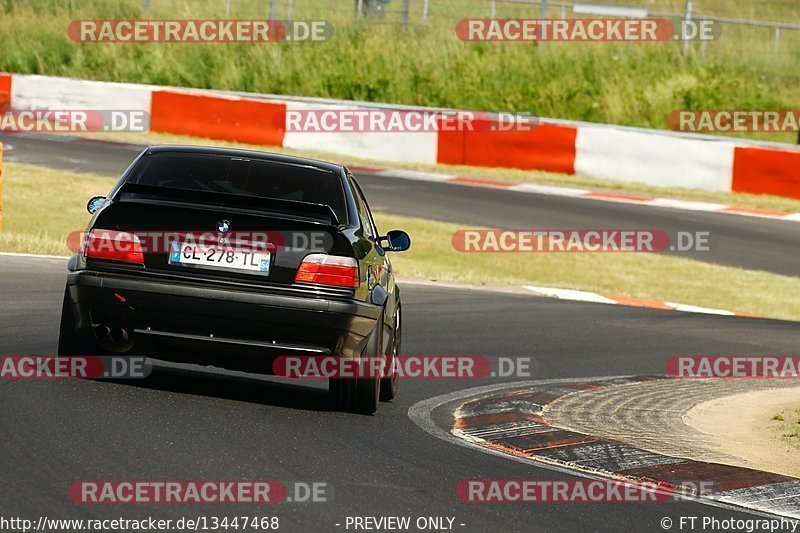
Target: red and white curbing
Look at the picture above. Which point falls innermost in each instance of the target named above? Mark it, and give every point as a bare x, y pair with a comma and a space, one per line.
511, 421
598, 298
573, 192
614, 153
590, 297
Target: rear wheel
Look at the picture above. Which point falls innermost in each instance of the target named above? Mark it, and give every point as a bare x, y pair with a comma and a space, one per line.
366, 397
355, 395
360, 395
389, 384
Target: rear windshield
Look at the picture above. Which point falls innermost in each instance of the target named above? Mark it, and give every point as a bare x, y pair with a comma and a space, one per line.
234, 175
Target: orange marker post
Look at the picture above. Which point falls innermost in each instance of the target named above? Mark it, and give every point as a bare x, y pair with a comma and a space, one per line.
1, 186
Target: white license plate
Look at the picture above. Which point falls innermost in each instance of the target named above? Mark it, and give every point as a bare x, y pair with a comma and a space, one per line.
220, 258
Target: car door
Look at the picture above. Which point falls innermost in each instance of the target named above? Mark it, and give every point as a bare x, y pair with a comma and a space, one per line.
380, 278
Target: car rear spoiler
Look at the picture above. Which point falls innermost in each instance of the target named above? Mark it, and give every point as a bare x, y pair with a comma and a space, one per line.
259, 203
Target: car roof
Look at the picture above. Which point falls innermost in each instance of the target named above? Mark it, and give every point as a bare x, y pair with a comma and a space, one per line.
249, 154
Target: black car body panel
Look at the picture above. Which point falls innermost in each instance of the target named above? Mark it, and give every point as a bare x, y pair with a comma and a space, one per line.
237, 320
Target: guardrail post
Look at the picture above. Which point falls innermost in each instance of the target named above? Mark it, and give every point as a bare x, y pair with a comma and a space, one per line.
777, 48
687, 17
703, 42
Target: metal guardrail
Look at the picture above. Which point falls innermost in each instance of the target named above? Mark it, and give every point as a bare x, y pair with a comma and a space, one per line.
406, 12
642, 12
567, 8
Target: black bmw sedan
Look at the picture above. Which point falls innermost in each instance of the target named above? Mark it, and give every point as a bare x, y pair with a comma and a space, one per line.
235, 259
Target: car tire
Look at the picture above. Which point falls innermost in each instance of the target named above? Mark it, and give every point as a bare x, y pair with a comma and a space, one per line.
367, 395
359, 395
69, 342
389, 384
355, 395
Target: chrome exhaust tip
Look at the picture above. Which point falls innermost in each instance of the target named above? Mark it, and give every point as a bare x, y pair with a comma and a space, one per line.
101, 331
118, 335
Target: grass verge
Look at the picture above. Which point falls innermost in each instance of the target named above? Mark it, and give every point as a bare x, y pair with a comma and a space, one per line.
649, 276
42, 206
789, 424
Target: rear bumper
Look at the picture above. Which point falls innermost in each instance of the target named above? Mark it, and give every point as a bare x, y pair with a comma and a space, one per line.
232, 328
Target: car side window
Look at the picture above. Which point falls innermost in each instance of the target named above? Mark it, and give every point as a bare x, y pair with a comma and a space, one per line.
363, 211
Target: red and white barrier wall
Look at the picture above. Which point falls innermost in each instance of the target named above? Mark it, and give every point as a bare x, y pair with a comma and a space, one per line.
612, 153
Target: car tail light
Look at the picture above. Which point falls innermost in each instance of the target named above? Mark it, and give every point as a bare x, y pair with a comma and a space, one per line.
328, 270
113, 246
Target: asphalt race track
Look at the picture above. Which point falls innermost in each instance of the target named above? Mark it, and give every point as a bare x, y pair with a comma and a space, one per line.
192, 423
747, 242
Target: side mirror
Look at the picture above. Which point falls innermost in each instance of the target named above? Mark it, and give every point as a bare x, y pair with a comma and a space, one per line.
398, 241
95, 204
